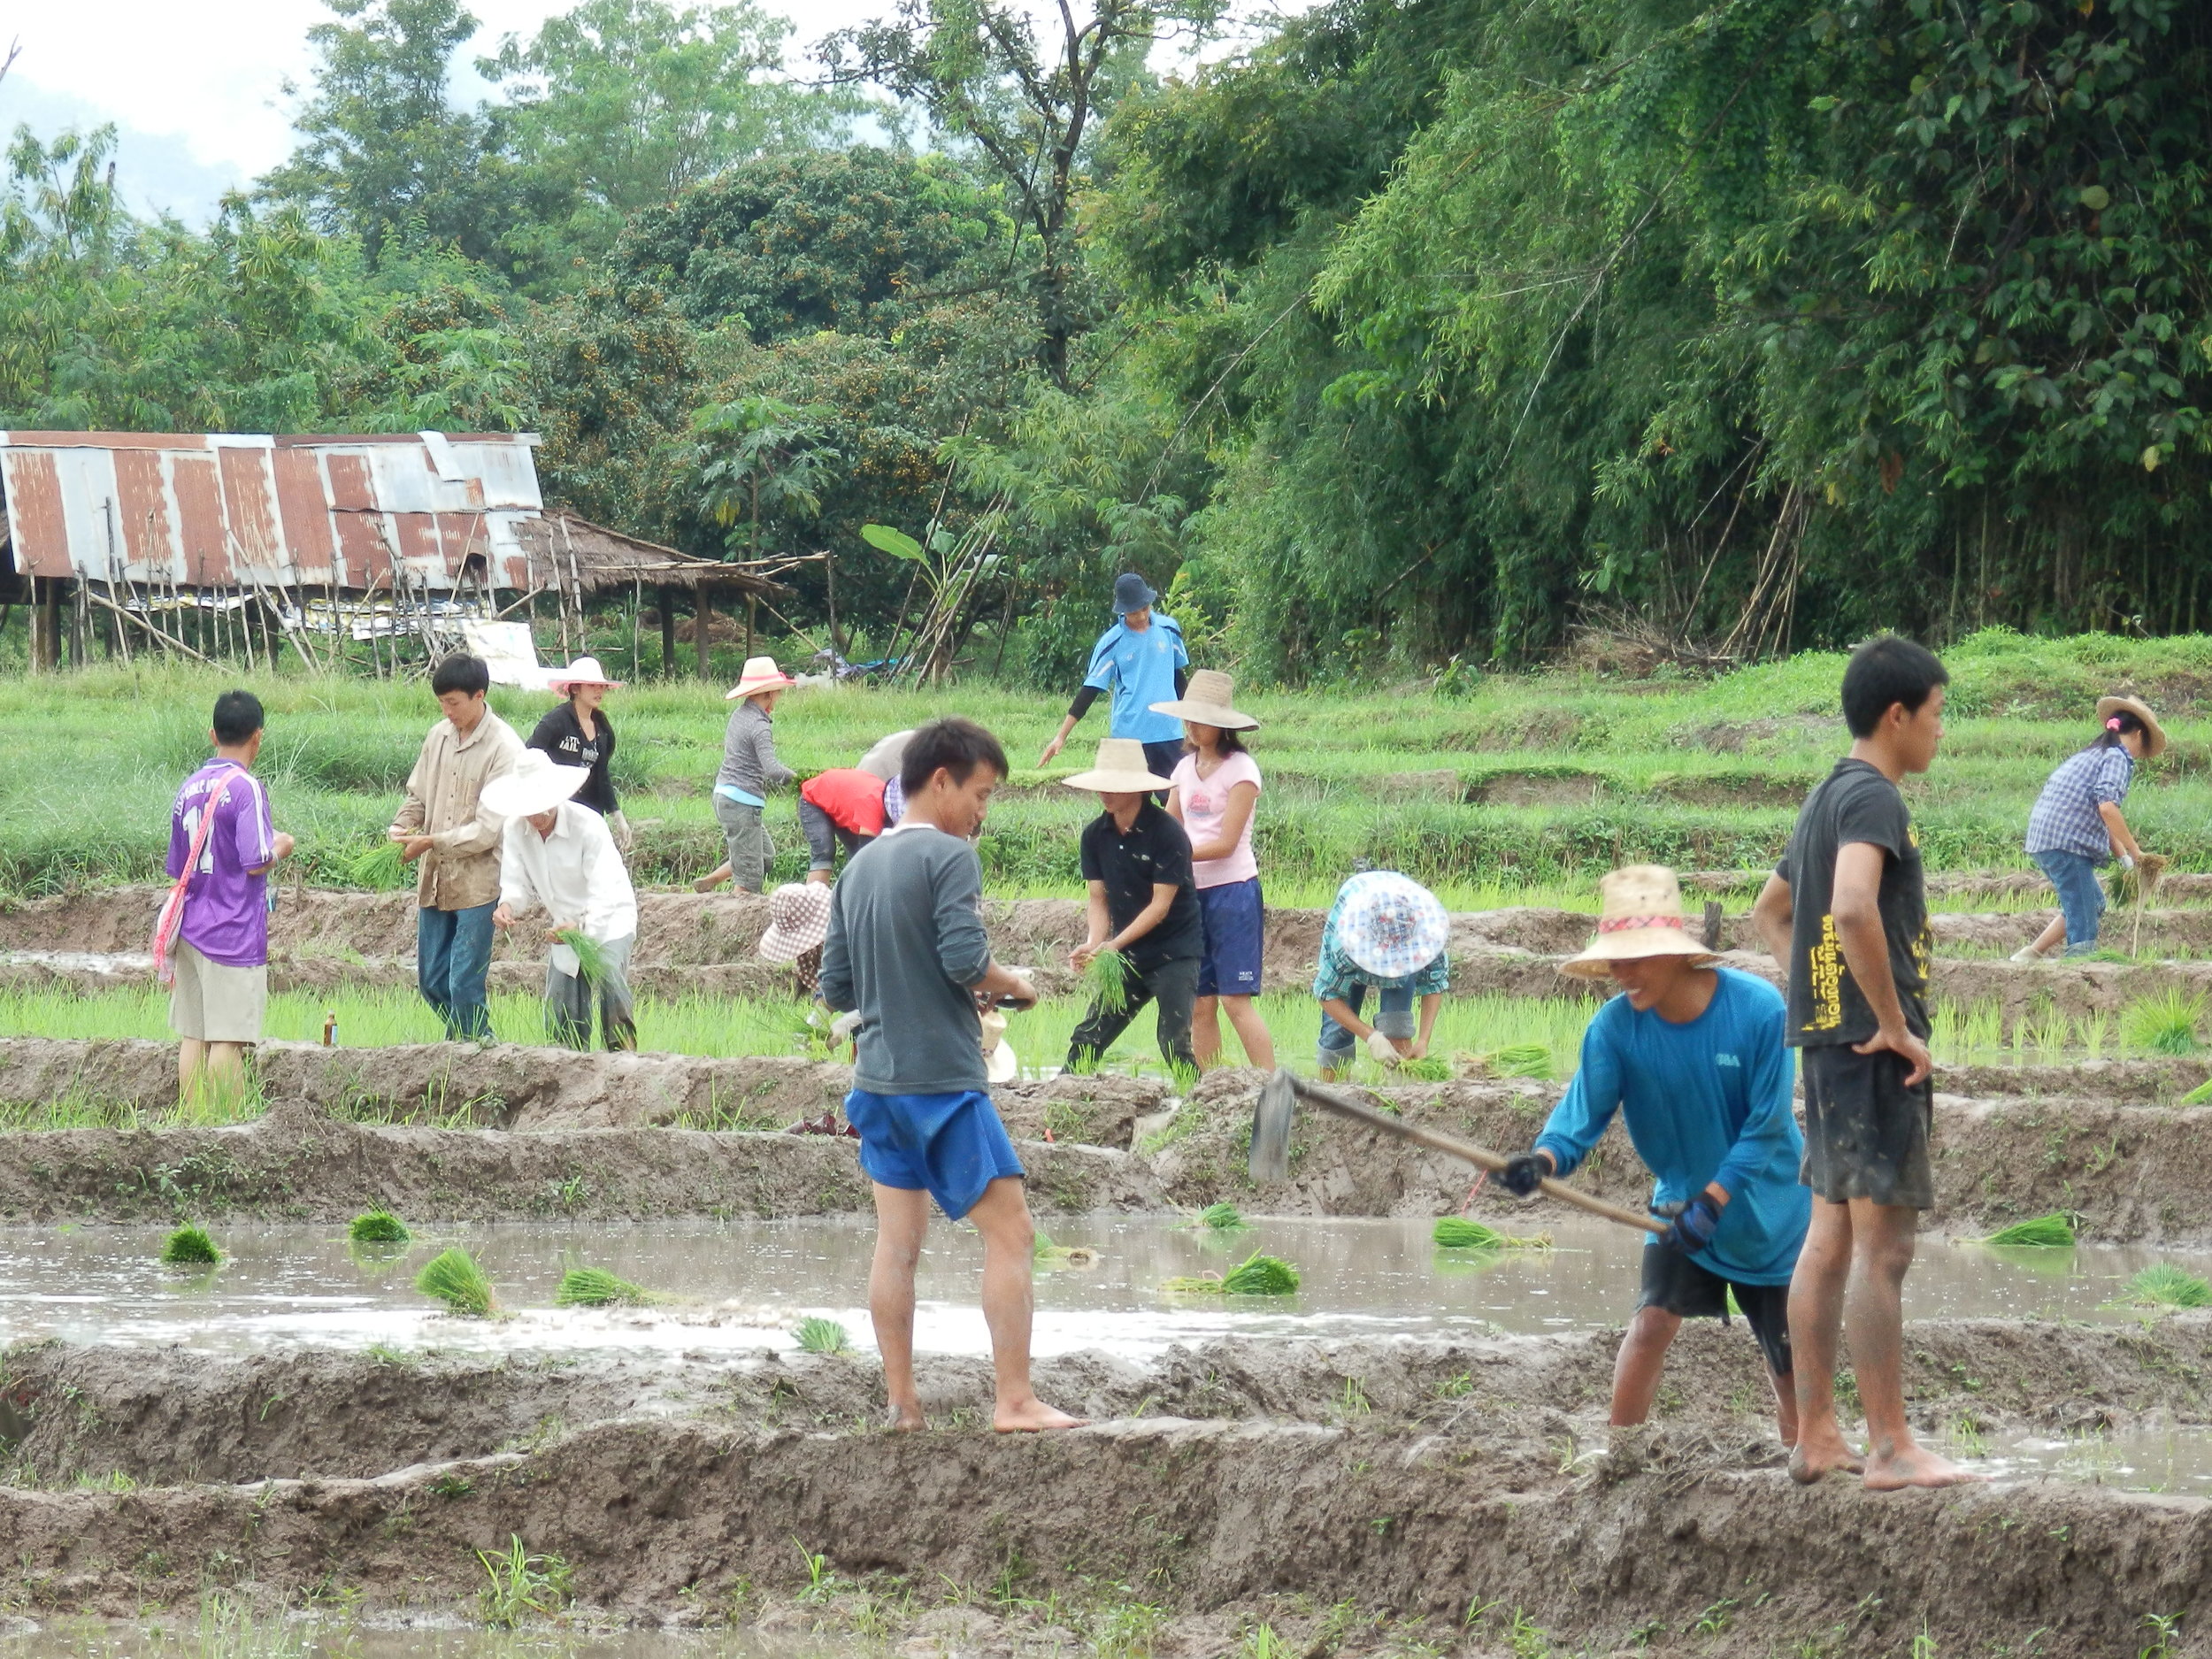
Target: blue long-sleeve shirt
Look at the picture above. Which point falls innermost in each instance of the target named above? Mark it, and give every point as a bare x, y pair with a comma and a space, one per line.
1706, 1102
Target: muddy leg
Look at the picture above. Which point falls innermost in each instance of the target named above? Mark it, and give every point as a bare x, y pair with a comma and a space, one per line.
1882, 1248
1259, 1047
1816, 1289
1205, 1031
1784, 1408
902, 1218
1636, 1369
191, 1059
1010, 1254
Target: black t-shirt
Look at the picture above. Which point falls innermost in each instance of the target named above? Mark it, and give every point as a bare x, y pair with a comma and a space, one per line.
561, 735
1854, 802
1154, 853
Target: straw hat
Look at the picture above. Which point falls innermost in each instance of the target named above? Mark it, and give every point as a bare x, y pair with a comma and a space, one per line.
798, 920
535, 785
1390, 925
761, 674
882, 761
2153, 733
1642, 917
1121, 769
1000, 1063
1206, 700
585, 671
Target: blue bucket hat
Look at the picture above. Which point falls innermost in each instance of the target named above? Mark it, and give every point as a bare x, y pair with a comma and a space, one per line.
1131, 592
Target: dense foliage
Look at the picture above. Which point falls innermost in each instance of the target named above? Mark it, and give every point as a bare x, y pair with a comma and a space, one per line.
1416, 330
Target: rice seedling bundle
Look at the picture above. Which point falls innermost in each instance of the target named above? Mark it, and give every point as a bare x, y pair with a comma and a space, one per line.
595, 1287
1456, 1232
453, 1278
1257, 1275
378, 1226
2164, 1024
190, 1246
2199, 1095
591, 955
2136, 885
380, 869
1428, 1069
2163, 1284
1053, 1255
1515, 1059
1221, 1217
817, 1335
1106, 981
2053, 1232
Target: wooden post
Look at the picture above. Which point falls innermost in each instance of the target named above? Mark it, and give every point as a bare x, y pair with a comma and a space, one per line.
78, 606
50, 648
701, 622
752, 617
668, 630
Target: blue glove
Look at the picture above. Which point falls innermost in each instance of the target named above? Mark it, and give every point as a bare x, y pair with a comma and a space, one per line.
1693, 1225
1522, 1175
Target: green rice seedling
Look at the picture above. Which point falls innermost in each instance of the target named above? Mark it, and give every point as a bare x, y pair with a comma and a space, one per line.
378, 1226
1428, 1069
1106, 981
1515, 1059
190, 1246
521, 1585
591, 955
2164, 1024
2163, 1285
453, 1278
1221, 1217
380, 869
1257, 1275
817, 1335
1456, 1232
2199, 1095
595, 1287
2053, 1231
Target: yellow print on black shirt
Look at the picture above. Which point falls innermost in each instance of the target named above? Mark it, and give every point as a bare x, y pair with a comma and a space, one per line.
1824, 971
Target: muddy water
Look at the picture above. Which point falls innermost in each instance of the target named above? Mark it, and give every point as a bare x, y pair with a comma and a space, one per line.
740, 1286
2170, 1460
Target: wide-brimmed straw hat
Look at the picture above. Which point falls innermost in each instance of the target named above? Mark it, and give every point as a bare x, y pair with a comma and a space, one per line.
2153, 733
1390, 925
798, 920
1120, 770
1000, 1062
1641, 917
761, 674
1206, 700
882, 760
535, 785
585, 671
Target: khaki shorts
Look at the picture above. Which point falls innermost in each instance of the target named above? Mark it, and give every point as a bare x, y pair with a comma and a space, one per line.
212, 1003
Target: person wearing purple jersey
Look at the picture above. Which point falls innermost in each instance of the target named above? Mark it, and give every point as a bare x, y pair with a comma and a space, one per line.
221, 950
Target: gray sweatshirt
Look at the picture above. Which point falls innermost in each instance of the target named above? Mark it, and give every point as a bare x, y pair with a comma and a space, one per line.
749, 753
906, 943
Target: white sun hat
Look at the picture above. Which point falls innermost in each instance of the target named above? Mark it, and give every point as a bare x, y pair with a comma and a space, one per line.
761, 674
535, 785
1000, 1062
798, 920
1120, 770
1390, 925
1206, 700
585, 671
1642, 917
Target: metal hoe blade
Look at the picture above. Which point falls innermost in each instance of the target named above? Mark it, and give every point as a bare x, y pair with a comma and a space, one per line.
1271, 1130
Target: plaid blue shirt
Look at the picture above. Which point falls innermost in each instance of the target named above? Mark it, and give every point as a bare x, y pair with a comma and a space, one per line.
2065, 818
1338, 973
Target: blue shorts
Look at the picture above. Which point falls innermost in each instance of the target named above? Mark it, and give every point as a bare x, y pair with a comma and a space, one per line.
949, 1145
1235, 938
2080, 900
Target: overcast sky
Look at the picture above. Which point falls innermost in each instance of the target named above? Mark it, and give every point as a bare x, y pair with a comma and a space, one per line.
196, 86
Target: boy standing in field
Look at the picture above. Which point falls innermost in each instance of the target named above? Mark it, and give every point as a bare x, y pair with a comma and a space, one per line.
1140, 660
907, 950
444, 824
1847, 912
222, 845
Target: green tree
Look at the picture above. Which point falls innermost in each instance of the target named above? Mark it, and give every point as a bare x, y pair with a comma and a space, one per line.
759, 454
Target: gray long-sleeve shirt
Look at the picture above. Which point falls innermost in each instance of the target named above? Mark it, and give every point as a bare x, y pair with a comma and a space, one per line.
749, 752
906, 943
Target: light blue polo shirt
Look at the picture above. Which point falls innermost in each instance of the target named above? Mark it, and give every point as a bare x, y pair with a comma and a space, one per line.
1138, 669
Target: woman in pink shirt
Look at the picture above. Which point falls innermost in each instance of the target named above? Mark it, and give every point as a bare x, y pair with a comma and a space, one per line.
1217, 785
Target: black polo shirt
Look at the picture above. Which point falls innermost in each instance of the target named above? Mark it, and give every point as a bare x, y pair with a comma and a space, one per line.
1154, 853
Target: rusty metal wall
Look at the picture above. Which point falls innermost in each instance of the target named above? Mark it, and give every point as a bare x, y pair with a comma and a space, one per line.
215, 510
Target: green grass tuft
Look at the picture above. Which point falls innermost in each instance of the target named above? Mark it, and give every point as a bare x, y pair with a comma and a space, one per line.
2163, 1284
2053, 1232
190, 1246
594, 1288
1456, 1232
453, 1278
817, 1335
2164, 1024
378, 1226
2199, 1095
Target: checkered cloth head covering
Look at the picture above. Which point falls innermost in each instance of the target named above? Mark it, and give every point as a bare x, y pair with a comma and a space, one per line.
1390, 925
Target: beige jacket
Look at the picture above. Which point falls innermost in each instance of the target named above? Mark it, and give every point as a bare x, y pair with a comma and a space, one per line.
462, 869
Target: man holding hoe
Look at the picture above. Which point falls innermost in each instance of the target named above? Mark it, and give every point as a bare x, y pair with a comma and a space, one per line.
1845, 912
1693, 1056
907, 950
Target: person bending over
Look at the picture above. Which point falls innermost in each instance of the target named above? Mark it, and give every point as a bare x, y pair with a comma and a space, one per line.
1384, 934
2077, 823
1692, 1055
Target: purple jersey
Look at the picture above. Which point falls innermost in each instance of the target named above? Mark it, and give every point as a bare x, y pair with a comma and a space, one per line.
226, 910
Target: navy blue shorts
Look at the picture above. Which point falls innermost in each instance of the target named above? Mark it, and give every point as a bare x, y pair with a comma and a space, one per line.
949, 1145
1235, 938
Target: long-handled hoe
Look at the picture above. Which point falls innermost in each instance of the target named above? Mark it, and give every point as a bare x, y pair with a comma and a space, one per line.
1278, 1104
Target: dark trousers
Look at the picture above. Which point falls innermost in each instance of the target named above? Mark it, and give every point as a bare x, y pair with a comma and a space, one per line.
1161, 758
1174, 986
825, 835
453, 952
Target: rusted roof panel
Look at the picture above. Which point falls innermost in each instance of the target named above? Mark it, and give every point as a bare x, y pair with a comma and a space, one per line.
225, 510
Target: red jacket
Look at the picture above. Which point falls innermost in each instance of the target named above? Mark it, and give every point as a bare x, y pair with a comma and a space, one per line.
853, 799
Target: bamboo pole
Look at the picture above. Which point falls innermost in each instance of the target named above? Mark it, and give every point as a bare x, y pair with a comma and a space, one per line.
137, 623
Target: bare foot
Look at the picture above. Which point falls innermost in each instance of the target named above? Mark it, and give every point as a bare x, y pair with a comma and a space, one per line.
707, 884
1811, 1465
904, 1420
1030, 1415
1916, 1466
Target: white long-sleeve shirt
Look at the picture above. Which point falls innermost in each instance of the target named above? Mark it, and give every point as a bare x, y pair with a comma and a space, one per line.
575, 874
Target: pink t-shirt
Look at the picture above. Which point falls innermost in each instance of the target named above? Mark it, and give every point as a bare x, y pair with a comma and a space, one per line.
1205, 803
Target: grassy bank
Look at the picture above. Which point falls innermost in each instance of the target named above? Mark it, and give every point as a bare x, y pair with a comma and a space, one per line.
1515, 787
